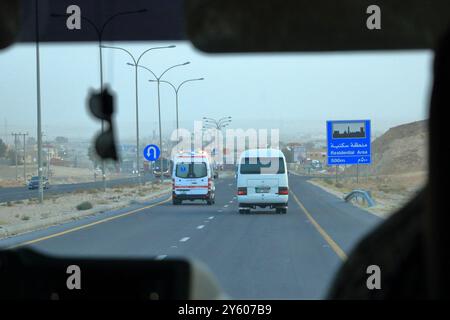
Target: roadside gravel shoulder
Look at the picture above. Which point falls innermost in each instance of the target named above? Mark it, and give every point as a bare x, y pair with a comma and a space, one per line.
24, 216
382, 208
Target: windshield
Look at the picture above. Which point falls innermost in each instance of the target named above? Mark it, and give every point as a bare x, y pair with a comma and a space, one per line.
262, 165
191, 170
344, 122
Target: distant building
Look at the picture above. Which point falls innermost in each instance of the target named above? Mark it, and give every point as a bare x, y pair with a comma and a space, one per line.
349, 134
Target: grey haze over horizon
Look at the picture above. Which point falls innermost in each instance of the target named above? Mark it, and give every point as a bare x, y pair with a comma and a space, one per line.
296, 93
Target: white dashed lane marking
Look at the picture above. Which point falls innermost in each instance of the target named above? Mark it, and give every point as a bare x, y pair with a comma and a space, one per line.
210, 218
184, 239
201, 226
161, 257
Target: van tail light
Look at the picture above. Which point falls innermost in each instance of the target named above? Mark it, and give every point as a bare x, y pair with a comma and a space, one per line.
242, 191
173, 184
283, 190
209, 184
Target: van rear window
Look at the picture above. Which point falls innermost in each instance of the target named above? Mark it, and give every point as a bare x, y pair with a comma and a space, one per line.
191, 170
262, 166
164, 163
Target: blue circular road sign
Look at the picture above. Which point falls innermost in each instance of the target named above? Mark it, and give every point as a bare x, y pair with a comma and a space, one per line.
152, 152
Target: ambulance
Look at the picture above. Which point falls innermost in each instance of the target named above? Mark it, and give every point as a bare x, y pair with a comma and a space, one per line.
192, 178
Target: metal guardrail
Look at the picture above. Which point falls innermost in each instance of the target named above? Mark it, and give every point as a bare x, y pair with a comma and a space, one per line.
366, 195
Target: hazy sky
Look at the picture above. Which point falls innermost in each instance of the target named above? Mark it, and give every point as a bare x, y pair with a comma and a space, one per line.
294, 92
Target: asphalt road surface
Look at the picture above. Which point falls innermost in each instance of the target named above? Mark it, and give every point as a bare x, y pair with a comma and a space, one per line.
22, 193
262, 255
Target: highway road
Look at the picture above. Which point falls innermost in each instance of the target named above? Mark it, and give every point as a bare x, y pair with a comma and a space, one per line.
22, 193
261, 255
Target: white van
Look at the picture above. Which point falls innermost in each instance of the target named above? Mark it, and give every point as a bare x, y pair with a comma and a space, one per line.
262, 180
192, 178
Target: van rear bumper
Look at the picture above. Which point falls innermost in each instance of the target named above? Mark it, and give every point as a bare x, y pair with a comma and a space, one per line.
271, 201
264, 205
191, 196
269, 198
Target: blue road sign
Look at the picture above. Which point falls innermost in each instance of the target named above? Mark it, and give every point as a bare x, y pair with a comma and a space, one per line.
348, 142
152, 152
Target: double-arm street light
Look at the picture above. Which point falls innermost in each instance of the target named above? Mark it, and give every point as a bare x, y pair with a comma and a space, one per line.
158, 81
210, 123
136, 65
99, 30
176, 90
219, 124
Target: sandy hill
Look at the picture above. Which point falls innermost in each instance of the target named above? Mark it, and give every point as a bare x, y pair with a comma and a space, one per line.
401, 149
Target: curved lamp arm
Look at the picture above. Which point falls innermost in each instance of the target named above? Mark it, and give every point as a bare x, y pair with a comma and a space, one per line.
143, 67
119, 14
125, 50
177, 65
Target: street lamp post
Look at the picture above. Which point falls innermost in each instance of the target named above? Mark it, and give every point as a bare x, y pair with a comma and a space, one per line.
99, 31
217, 124
38, 102
158, 80
210, 123
136, 64
176, 90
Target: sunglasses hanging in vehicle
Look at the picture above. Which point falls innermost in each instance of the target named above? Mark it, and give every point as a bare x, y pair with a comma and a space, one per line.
101, 106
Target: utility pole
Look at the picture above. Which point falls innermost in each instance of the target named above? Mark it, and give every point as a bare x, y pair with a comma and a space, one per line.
24, 135
15, 153
46, 145
38, 95
48, 162
6, 131
25, 157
